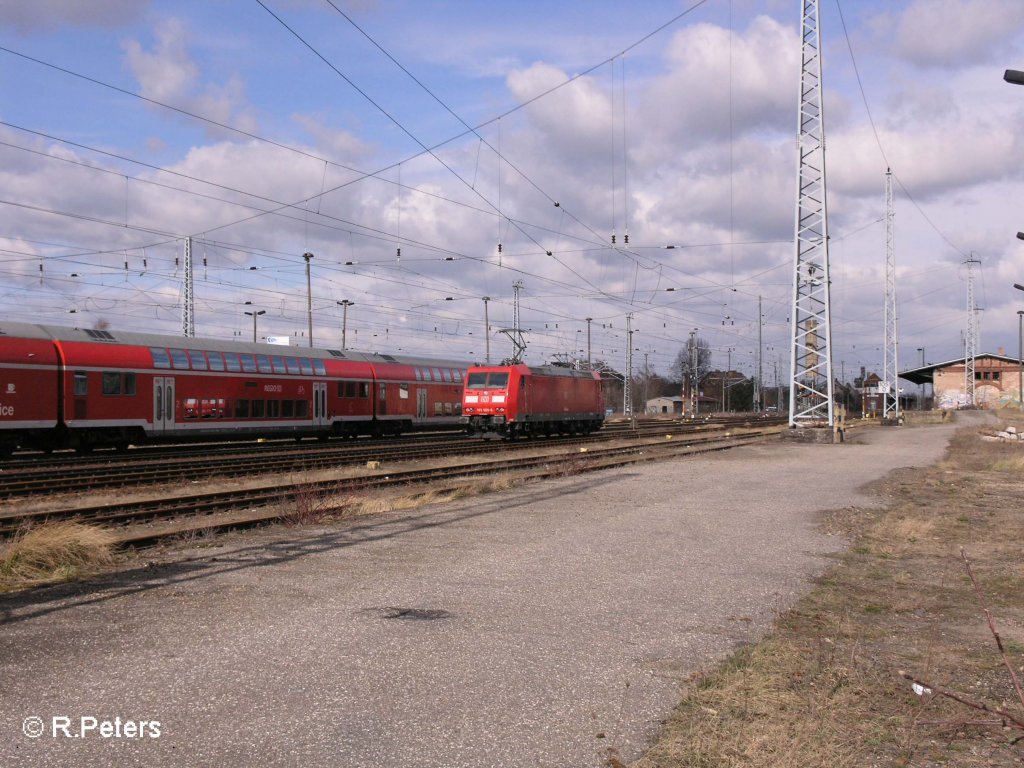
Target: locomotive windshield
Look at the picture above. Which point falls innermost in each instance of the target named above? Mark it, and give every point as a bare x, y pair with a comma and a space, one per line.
492, 380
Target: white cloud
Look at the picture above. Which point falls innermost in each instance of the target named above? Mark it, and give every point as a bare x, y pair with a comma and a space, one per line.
169, 74
951, 33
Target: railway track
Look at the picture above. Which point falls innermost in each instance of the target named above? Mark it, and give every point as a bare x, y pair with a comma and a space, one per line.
48, 478
147, 521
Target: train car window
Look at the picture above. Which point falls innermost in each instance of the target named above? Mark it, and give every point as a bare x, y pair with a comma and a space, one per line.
160, 357
458, 408
179, 359
287, 408
476, 381
278, 363
273, 408
350, 389
257, 409
81, 383
231, 362
216, 361
447, 374
364, 389
248, 362
437, 374
301, 409
241, 409
307, 365
191, 408
426, 374
419, 375
456, 375
293, 364
198, 360
129, 384
319, 368
447, 409
438, 409
263, 363
111, 383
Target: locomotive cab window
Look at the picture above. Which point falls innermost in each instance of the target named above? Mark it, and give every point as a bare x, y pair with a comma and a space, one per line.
476, 381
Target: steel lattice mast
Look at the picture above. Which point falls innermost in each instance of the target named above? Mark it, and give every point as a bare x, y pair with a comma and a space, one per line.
627, 381
811, 385
971, 341
188, 307
891, 406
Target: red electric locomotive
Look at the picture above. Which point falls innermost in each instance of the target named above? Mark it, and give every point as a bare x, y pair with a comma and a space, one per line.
82, 388
520, 400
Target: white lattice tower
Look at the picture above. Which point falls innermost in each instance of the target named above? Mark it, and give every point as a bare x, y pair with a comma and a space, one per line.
188, 307
971, 340
515, 333
891, 404
811, 385
627, 382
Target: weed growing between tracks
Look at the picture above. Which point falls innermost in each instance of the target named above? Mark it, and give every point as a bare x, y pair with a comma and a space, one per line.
57, 551
825, 689
312, 506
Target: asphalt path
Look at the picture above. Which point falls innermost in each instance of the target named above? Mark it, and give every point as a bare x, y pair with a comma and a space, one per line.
551, 625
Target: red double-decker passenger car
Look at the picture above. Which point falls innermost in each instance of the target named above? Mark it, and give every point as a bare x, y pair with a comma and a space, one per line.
85, 388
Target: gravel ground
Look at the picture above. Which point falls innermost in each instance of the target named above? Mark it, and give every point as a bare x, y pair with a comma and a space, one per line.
543, 626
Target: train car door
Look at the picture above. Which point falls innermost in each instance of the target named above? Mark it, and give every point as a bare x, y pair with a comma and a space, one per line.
319, 403
163, 403
421, 402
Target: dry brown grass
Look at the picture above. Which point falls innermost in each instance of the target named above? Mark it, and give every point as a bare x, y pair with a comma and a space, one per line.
823, 688
57, 551
313, 507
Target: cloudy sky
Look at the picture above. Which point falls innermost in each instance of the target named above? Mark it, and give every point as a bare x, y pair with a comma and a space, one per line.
431, 154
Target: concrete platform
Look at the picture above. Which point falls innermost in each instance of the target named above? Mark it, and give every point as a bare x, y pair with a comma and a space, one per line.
537, 627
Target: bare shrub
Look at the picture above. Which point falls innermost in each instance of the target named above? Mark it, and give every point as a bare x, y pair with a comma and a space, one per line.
311, 505
56, 551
